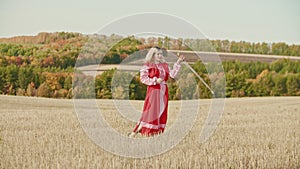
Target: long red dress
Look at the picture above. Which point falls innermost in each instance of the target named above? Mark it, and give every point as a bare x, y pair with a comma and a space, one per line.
154, 116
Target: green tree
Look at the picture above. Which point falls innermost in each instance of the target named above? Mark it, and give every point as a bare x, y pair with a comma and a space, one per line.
103, 84
265, 48
68, 82
25, 76
279, 88
280, 49
2, 79
166, 42
264, 85
235, 84
293, 85
11, 78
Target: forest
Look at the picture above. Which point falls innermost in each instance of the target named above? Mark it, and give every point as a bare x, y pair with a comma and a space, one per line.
43, 66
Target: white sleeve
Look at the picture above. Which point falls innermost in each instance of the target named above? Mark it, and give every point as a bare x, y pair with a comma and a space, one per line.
144, 76
175, 70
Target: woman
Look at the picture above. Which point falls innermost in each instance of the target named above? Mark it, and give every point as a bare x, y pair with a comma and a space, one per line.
154, 73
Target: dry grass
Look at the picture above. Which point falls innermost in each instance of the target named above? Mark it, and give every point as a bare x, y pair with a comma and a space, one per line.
253, 133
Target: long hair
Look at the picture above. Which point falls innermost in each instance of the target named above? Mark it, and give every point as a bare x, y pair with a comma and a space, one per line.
150, 54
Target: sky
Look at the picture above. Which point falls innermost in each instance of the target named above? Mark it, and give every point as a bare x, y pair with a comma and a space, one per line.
235, 20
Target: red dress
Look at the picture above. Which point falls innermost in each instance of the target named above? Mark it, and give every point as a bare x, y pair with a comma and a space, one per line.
154, 116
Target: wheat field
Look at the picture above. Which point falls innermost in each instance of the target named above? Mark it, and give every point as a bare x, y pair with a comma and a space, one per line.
253, 133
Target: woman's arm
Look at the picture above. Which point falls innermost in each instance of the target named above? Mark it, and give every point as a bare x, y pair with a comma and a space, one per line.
175, 70
176, 66
144, 76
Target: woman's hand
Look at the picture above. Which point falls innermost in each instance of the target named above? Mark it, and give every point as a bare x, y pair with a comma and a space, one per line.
180, 58
159, 80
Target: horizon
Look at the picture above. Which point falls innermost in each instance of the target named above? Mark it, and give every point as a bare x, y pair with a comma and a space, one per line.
269, 43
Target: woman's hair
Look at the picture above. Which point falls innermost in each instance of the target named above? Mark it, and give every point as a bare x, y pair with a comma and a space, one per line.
151, 52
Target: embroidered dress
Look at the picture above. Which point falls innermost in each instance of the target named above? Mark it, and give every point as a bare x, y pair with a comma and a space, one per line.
154, 116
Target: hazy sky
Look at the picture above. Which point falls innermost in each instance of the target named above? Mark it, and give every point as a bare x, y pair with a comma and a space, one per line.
251, 20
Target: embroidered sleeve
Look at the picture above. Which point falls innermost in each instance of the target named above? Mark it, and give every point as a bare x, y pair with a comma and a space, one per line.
144, 76
175, 70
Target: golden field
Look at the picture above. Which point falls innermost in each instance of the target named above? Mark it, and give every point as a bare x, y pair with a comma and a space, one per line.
253, 133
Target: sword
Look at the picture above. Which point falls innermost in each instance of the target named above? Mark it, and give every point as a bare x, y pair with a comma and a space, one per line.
186, 64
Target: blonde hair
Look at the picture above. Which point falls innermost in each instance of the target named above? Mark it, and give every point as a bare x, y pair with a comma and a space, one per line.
150, 54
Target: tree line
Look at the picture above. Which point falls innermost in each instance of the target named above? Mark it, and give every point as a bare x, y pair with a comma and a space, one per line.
280, 78
46, 69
